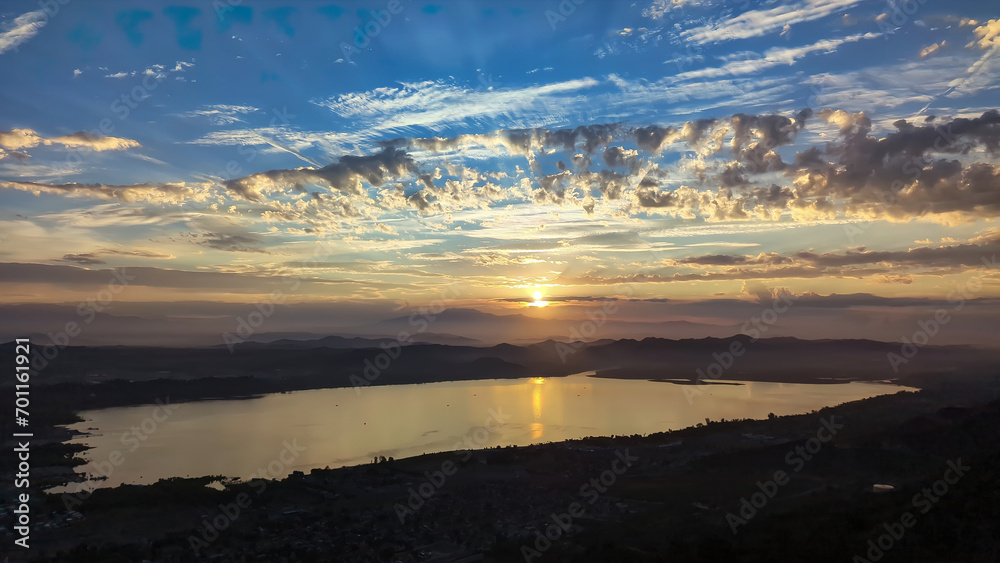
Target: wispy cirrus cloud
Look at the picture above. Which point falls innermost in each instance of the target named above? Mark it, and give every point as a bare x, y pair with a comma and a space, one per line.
434, 105
23, 28
221, 114
755, 23
773, 57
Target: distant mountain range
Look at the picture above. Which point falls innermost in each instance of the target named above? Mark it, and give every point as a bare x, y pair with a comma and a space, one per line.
334, 361
306, 340
219, 323
458, 326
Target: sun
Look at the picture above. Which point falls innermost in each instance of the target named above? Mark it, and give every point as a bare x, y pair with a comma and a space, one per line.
538, 297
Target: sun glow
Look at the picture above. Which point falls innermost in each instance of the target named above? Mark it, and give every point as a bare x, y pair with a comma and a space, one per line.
538, 297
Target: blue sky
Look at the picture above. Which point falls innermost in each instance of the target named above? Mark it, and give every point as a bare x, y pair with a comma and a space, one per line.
263, 140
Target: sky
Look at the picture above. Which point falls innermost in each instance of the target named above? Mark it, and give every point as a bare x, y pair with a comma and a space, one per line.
378, 156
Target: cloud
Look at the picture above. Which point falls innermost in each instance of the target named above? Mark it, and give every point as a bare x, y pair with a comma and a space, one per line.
729, 275
770, 258
17, 155
86, 259
23, 28
932, 168
885, 266
95, 142
987, 35
136, 252
773, 57
221, 114
917, 170
523, 142
434, 105
762, 294
157, 71
980, 74
965, 255
932, 49
95, 258
657, 9
27, 138
230, 242
154, 193
77, 277
905, 174
755, 23
346, 176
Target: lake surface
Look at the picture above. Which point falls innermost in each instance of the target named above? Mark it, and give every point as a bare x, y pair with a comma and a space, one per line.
338, 427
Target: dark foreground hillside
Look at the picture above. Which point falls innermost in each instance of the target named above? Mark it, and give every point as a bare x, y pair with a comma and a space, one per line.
795, 488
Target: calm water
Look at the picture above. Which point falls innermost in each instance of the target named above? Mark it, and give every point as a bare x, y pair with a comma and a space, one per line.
338, 427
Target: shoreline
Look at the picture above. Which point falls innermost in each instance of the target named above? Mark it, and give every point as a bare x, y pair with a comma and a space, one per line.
83, 482
668, 485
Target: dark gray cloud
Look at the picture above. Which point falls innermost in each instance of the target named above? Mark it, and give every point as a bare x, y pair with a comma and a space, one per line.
619, 156
771, 130
652, 138
648, 194
970, 255
230, 242
880, 173
344, 176
922, 168
157, 193
730, 260
836, 263
94, 258
86, 259
81, 278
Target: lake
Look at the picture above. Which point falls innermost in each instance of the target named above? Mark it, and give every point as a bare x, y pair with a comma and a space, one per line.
338, 427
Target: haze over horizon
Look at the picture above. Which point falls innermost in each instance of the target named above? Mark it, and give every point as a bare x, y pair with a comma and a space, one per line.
684, 162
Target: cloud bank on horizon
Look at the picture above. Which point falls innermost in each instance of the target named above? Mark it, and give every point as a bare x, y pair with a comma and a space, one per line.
379, 151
